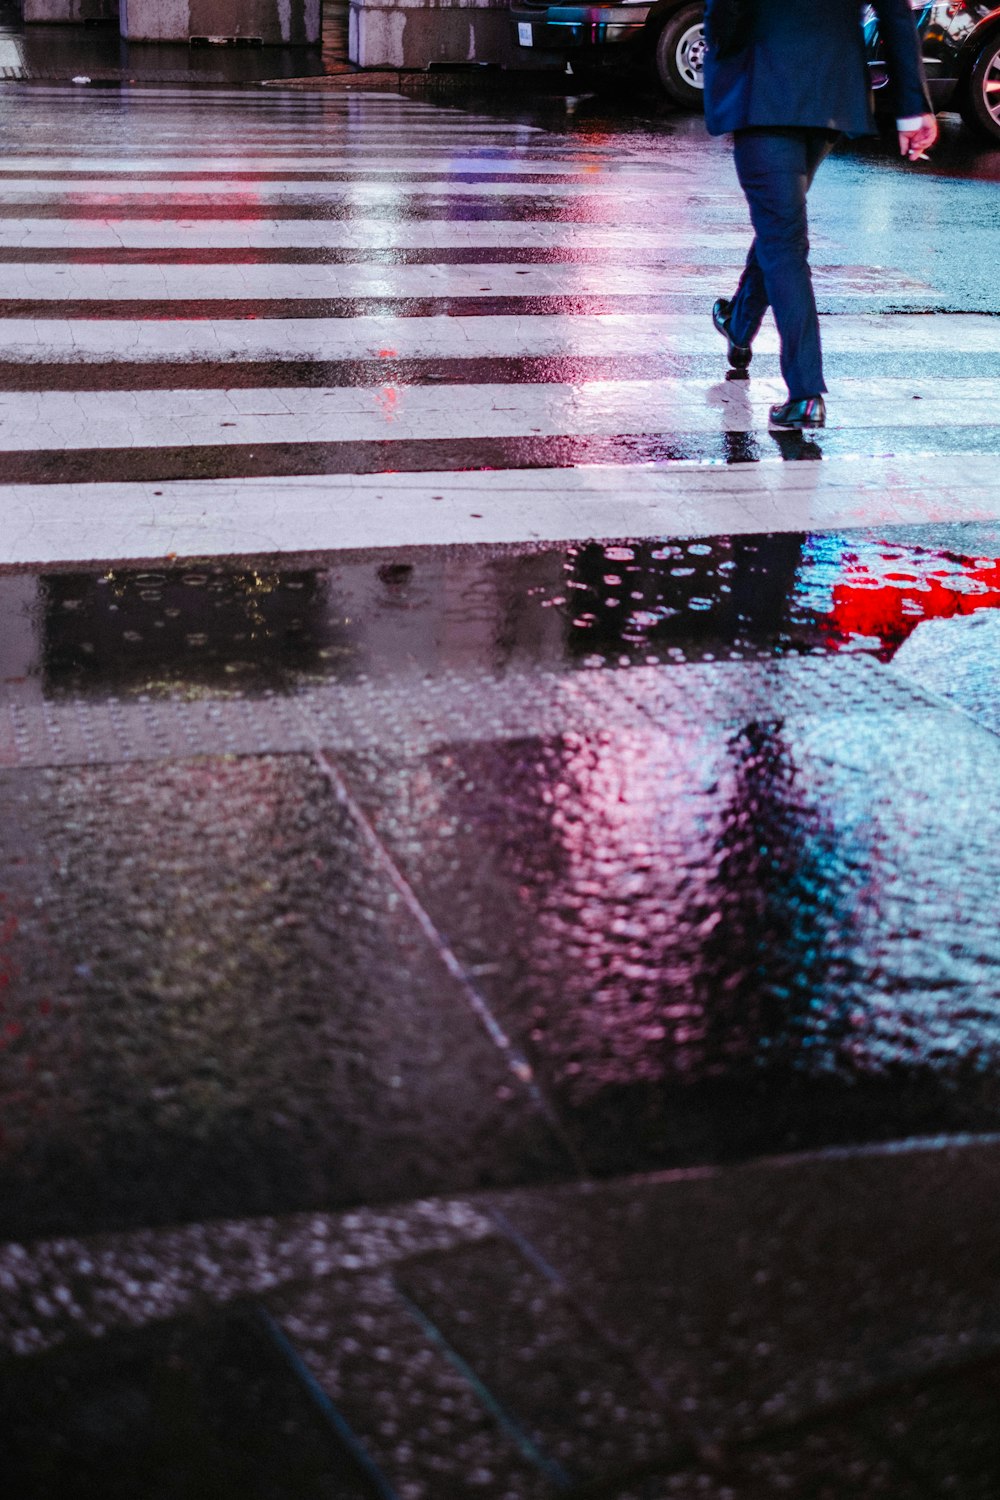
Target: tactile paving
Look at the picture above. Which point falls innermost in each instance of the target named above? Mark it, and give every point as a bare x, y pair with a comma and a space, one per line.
420, 712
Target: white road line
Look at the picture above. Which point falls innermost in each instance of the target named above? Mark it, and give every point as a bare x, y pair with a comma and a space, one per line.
238, 135
276, 93
90, 107
257, 113
224, 189
50, 421
360, 279
358, 233
158, 152
442, 126
457, 338
47, 128
72, 167
89, 110
196, 518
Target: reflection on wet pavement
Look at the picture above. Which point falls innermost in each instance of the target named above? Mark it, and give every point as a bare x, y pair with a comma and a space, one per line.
125, 632
215, 629
617, 920
736, 898
750, 926
774, 593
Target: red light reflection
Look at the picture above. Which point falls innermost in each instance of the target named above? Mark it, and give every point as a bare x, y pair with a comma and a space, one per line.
890, 604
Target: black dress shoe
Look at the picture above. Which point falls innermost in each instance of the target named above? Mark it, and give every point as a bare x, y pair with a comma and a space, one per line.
798, 416
739, 355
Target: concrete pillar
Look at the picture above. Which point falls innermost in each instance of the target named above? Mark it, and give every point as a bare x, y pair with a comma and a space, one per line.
272, 22
70, 10
419, 33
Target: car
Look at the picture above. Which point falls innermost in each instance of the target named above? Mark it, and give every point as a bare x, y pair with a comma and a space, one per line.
590, 37
960, 39
961, 47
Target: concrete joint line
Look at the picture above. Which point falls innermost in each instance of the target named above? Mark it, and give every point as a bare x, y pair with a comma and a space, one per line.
696, 1445
514, 1429
516, 1061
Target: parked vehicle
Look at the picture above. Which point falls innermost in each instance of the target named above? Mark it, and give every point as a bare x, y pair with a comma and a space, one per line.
671, 32
961, 45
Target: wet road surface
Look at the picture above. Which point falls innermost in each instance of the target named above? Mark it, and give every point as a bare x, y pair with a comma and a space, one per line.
471, 333
447, 745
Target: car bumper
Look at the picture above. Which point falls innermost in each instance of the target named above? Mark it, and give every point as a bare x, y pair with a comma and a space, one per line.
566, 28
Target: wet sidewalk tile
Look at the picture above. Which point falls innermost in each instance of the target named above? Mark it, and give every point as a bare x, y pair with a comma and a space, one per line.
573, 1397
216, 1003
755, 922
762, 1295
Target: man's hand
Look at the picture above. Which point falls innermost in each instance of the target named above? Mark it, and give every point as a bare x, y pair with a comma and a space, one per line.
913, 144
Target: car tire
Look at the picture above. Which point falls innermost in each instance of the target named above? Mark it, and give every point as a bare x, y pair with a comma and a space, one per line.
680, 52
980, 104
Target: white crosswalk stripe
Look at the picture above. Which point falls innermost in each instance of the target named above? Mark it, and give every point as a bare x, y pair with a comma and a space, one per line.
624, 191
271, 282
374, 337
110, 448
72, 167
199, 518
150, 419
364, 234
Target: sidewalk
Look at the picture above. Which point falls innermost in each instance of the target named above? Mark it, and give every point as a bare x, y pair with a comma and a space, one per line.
97, 55
825, 1325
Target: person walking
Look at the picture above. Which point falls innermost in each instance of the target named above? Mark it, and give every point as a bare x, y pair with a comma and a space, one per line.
788, 78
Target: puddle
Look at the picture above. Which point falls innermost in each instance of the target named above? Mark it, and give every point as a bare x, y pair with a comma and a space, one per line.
772, 594
278, 626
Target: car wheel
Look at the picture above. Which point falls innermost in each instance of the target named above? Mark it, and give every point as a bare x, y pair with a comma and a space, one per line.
981, 101
680, 57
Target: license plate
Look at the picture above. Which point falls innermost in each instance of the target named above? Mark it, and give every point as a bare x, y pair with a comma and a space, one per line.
524, 33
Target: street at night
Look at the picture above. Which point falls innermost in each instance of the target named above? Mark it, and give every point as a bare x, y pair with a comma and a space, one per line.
499, 959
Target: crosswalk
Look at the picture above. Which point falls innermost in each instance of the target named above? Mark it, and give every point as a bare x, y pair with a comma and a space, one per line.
277, 321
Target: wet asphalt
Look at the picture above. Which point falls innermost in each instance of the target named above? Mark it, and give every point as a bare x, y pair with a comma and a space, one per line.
345, 872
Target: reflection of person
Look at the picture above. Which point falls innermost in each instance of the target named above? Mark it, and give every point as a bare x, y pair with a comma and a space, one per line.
787, 78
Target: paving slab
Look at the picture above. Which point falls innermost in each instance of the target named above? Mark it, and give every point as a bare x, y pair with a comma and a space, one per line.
764, 1294
760, 916
215, 1003
947, 1432
934, 1439
828, 1462
812, 1326
580, 1401
87, 1286
430, 1426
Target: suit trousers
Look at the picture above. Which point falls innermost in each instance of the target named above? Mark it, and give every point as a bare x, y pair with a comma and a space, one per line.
775, 168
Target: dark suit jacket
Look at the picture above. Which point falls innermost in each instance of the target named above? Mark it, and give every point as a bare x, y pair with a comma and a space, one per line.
805, 65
